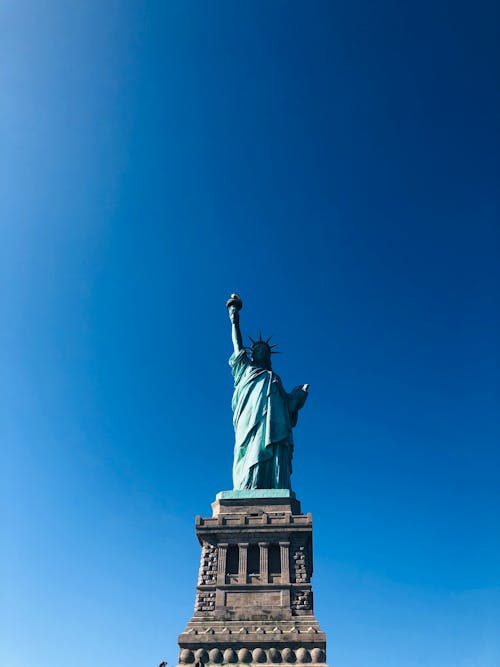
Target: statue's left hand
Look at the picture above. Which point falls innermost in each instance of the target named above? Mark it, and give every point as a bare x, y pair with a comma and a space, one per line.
298, 396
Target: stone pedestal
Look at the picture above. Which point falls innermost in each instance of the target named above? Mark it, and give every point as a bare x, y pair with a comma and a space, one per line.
254, 601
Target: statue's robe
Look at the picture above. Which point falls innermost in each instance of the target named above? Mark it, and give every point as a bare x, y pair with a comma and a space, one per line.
263, 416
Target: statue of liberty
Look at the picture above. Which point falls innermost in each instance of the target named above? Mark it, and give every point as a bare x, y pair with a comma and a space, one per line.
263, 413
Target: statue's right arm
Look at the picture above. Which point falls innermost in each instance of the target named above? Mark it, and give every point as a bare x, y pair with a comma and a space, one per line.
234, 316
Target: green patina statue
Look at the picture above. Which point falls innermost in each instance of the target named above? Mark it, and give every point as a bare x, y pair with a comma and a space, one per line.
263, 413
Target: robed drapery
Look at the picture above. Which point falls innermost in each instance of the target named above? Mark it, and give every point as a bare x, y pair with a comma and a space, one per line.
263, 417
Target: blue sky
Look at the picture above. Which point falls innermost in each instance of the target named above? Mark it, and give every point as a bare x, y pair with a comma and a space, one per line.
337, 165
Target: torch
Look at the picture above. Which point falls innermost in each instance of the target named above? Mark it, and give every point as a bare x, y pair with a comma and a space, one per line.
234, 304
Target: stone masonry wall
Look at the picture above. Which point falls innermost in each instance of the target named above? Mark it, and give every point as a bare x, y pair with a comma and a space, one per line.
208, 564
205, 601
301, 561
301, 600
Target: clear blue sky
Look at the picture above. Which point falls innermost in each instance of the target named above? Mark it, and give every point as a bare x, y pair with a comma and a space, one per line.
334, 163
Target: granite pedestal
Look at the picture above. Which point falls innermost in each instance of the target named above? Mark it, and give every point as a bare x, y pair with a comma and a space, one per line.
254, 601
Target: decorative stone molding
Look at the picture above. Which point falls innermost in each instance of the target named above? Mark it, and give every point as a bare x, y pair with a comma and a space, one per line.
259, 655
208, 564
205, 601
186, 656
244, 655
215, 656
230, 656
300, 569
318, 655
301, 600
201, 655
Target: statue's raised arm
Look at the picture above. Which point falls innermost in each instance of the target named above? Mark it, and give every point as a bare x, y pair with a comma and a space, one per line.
263, 413
234, 305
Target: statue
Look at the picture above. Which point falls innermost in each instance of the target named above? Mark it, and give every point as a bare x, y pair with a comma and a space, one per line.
263, 413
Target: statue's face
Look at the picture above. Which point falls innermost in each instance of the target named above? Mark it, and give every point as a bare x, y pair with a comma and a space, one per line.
261, 356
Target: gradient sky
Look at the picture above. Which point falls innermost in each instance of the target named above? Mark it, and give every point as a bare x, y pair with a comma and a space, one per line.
337, 165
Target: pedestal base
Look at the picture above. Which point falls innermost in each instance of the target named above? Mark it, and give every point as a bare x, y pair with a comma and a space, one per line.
254, 601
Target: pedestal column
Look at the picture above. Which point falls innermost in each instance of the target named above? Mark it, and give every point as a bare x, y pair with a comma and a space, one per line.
285, 562
242, 563
264, 562
221, 563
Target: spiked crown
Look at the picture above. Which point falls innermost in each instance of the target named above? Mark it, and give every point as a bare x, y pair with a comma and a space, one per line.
261, 341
